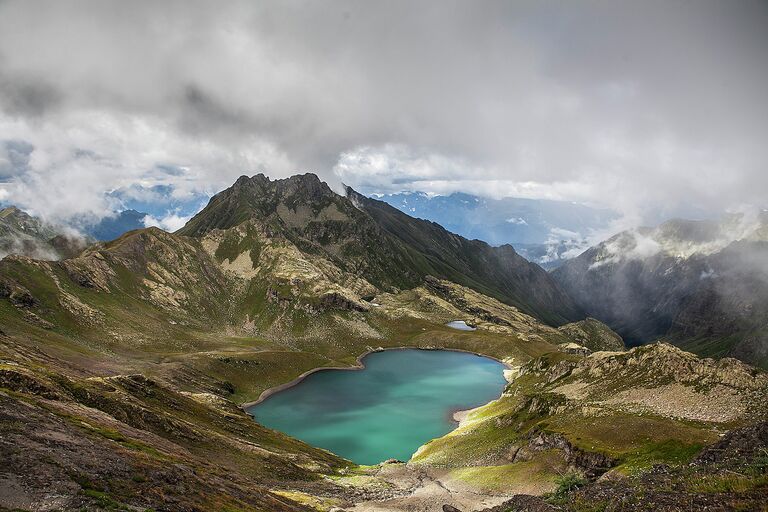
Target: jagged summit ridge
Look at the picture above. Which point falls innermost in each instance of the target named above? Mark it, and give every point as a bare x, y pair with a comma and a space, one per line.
256, 197
372, 240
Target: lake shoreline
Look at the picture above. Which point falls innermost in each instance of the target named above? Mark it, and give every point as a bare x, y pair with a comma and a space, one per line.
359, 365
458, 416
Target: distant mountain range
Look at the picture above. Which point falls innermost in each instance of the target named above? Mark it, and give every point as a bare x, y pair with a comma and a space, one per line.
543, 231
26, 235
21, 233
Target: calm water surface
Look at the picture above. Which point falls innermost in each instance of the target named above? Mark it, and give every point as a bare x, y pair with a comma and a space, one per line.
460, 325
402, 399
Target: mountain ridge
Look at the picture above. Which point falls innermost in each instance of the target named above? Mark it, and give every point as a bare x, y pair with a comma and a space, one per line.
381, 244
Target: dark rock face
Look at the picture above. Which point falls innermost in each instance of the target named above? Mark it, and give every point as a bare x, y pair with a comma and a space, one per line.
590, 464
21, 298
338, 301
381, 244
523, 503
737, 446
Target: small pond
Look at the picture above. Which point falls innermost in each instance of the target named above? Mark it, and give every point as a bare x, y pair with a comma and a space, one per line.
461, 325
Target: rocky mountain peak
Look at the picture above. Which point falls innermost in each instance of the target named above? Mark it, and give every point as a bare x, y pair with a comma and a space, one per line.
19, 218
308, 184
259, 198
374, 241
10, 210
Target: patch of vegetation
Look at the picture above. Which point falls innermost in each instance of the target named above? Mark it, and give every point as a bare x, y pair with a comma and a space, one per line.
104, 500
531, 477
730, 482
566, 483
672, 451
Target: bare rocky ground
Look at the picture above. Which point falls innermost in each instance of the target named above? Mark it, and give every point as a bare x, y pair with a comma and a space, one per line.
423, 489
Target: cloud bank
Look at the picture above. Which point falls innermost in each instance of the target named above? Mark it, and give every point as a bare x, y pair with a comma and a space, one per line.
650, 107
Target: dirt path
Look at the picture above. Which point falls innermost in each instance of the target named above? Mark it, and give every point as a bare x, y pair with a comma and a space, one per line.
419, 489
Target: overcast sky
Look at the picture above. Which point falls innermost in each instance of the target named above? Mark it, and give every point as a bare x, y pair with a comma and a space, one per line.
642, 106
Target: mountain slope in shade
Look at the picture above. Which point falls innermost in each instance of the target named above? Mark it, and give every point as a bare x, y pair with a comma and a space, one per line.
380, 244
702, 284
496, 271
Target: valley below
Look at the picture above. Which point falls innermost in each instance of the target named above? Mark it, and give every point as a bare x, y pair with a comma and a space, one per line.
124, 371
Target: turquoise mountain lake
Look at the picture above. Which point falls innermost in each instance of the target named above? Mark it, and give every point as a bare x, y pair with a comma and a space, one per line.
401, 400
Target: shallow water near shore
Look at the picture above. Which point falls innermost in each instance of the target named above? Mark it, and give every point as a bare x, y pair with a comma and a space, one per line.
401, 400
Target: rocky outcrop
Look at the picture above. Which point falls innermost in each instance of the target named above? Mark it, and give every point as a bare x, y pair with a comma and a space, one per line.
730, 475
737, 446
590, 464
654, 363
23, 381
592, 334
335, 300
523, 503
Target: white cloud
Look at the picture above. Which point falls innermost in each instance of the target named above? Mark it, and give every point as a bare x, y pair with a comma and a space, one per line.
64, 180
170, 223
583, 101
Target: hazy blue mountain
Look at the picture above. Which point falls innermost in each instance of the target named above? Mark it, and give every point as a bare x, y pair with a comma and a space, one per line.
158, 200
110, 228
544, 231
136, 204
